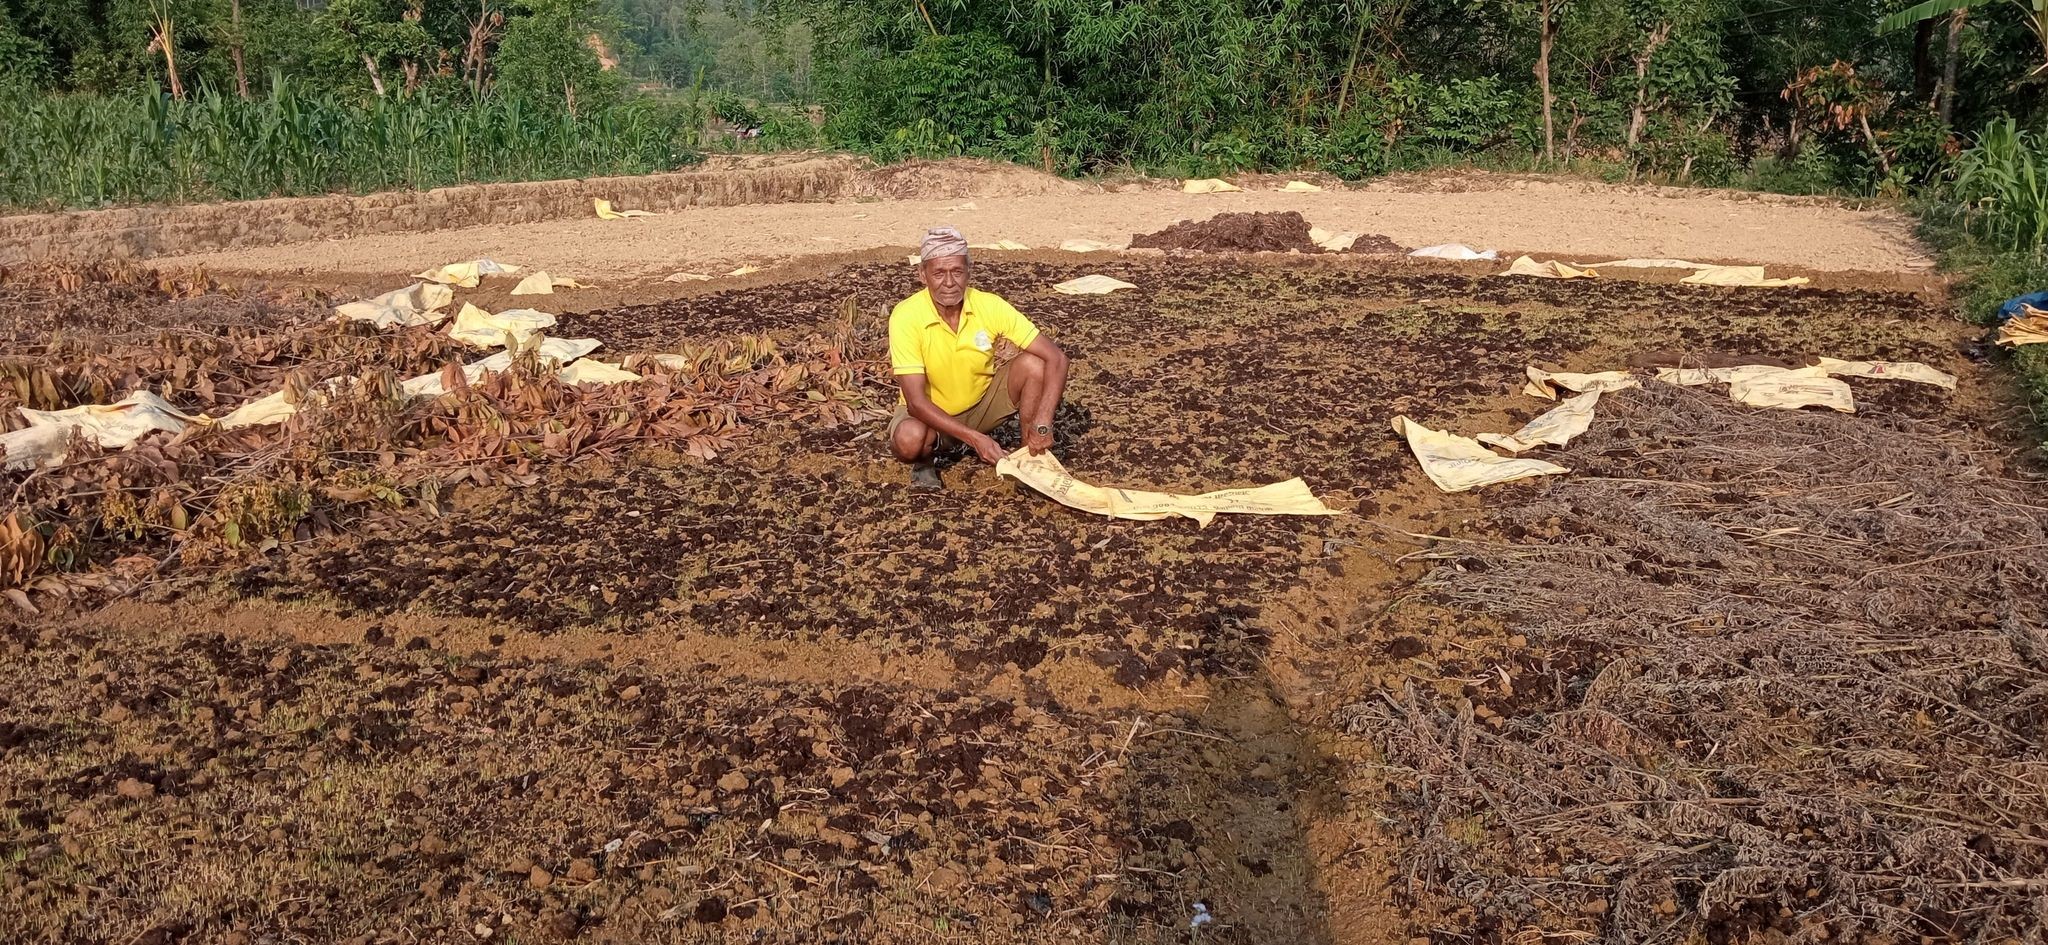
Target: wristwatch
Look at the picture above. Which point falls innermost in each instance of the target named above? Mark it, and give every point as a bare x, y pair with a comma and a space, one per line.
1043, 429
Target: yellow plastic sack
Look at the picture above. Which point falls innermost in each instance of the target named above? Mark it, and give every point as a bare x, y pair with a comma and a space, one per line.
476, 327
1524, 266
416, 304
1556, 427
1045, 474
2029, 327
1739, 276
1890, 371
744, 271
1208, 185
1085, 246
1008, 245
466, 274
1301, 187
1792, 389
1457, 463
605, 211
1091, 285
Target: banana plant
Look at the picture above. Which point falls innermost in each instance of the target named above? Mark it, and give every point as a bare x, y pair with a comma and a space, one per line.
2034, 11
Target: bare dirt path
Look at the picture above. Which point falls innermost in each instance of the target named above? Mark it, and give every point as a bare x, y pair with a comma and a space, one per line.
1573, 219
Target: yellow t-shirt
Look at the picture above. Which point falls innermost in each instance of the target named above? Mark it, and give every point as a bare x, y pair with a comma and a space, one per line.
957, 365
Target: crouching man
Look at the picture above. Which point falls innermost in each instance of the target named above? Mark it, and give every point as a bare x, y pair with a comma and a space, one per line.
942, 343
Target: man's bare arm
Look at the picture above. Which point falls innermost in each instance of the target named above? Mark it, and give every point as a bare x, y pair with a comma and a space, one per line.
1049, 398
917, 401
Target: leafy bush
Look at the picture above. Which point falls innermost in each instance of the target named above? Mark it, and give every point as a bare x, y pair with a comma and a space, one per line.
946, 93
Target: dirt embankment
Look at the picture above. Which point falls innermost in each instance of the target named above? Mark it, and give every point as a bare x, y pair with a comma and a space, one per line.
146, 232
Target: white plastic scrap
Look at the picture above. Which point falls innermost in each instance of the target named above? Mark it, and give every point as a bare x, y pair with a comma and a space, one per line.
481, 329
588, 371
1202, 916
1454, 251
1091, 285
466, 274
1556, 427
1457, 463
416, 304
1208, 185
1086, 246
1645, 264
1009, 245
553, 351
1546, 384
1332, 242
47, 439
686, 277
540, 283
1890, 370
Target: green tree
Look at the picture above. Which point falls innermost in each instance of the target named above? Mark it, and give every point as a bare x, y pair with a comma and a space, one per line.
550, 53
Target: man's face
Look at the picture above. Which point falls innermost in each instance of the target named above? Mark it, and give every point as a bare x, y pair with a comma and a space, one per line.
946, 277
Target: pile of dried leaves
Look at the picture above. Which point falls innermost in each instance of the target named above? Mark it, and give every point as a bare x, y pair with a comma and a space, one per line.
1797, 685
206, 492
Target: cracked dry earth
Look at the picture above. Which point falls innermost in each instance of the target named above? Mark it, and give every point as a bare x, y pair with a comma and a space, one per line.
777, 697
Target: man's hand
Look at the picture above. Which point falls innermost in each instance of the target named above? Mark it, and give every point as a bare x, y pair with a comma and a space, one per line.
986, 448
1036, 441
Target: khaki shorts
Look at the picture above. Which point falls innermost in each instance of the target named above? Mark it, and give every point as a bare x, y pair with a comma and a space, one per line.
993, 408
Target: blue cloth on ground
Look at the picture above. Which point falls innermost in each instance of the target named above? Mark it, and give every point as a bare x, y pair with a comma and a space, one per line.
2011, 308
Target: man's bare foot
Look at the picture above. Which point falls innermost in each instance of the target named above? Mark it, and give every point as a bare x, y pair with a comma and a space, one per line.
926, 476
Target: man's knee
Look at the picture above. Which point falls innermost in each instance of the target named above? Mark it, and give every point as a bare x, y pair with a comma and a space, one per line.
911, 441
1028, 370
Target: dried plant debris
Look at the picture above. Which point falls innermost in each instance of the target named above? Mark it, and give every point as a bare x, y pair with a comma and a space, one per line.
1788, 674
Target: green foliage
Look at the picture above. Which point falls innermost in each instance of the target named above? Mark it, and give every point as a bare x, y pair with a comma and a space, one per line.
2002, 185
86, 151
944, 92
547, 56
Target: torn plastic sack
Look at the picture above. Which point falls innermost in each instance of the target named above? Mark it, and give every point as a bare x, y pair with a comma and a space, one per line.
1792, 389
113, 426
686, 277
1301, 187
1456, 463
416, 304
540, 283
1546, 384
1890, 371
1454, 251
588, 371
1208, 185
557, 352
1332, 242
466, 274
1045, 474
2029, 327
1091, 285
1556, 427
605, 211
1086, 246
1739, 276
1524, 266
1007, 245
475, 327
744, 271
